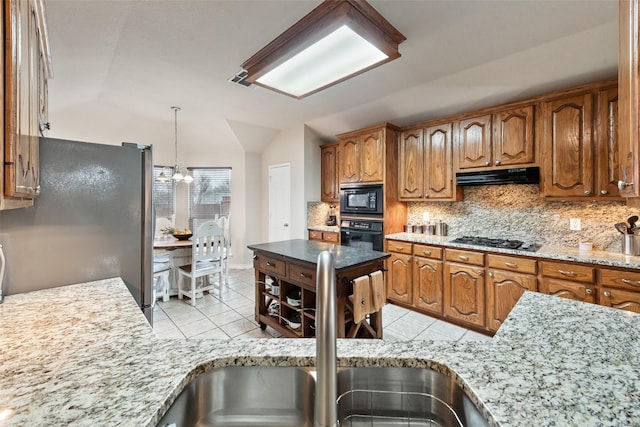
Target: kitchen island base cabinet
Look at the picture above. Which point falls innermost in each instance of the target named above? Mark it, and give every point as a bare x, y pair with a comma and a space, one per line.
285, 292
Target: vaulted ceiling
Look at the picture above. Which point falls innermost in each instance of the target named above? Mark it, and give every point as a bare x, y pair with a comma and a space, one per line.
119, 61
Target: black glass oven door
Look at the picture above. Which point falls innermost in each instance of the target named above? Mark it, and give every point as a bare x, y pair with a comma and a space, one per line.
370, 240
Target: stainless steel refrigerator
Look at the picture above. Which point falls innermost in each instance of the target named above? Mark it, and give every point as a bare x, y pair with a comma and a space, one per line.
93, 220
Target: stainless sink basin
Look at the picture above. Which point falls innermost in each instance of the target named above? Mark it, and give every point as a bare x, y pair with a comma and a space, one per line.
245, 396
284, 396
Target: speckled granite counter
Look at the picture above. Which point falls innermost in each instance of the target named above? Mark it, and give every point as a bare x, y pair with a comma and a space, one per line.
331, 228
308, 251
84, 355
559, 253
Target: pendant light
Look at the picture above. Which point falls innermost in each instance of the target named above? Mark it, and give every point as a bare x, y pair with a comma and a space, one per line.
162, 177
177, 174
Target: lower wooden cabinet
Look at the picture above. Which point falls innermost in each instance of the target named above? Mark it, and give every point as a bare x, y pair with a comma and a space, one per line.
464, 293
618, 298
427, 284
324, 236
504, 289
399, 279
579, 291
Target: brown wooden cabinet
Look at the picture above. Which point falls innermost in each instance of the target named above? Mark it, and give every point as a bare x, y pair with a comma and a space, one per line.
329, 187
399, 278
362, 158
427, 278
502, 138
629, 105
324, 236
26, 72
607, 154
425, 164
464, 293
507, 279
567, 146
568, 280
619, 289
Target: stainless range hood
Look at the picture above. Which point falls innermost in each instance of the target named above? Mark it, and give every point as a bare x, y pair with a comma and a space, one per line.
501, 176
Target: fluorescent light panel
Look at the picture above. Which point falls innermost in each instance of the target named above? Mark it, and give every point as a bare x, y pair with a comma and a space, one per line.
334, 57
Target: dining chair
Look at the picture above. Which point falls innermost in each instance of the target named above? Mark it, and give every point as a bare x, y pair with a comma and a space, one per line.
207, 253
161, 271
225, 223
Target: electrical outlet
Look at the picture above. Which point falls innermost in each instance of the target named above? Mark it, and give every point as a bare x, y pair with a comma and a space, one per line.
425, 217
574, 224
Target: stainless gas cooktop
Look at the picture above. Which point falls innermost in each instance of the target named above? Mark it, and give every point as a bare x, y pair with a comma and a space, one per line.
497, 243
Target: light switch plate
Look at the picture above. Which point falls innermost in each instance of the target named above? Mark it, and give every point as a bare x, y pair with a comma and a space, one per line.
574, 224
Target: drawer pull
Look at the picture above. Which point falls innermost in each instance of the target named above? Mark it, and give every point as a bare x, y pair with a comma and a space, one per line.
426, 252
590, 291
270, 264
305, 276
631, 282
463, 257
607, 293
567, 273
399, 248
511, 264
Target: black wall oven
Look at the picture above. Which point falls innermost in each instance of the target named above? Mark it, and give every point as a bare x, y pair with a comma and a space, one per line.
362, 233
361, 200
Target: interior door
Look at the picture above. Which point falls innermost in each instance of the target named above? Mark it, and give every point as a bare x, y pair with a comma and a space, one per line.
279, 202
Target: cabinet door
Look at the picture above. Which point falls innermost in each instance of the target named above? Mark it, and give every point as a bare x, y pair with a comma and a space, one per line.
572, 290
607, 150
410, 164
372, 161
474, 142
21, 98
629, 97
567, 147
464, 293
617, 298
439, 162
399, 278
328, 175
513, 142
427, 284
504, 289
348, 155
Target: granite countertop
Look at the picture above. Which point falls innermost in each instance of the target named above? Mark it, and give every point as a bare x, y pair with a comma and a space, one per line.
558, 253
84, 355
331, 228
308, 251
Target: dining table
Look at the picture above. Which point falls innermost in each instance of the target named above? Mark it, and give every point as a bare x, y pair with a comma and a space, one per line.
171, 244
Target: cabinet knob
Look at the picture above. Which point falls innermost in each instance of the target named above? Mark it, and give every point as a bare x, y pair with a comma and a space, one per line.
587, 192
607, 293
589, 291
603, 192
420, 195
491, 274
38, 189
497, 162
622, 185
487, 163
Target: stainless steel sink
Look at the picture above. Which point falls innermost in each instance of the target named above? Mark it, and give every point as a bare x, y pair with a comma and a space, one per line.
284, 396
245, 396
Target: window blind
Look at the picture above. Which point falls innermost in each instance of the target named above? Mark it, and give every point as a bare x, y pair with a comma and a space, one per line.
164, 194
209, 193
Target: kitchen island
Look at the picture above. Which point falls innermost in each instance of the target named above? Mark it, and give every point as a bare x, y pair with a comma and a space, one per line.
291, 265
70, 361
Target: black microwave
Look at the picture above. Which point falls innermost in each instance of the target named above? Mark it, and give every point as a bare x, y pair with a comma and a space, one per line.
361, 200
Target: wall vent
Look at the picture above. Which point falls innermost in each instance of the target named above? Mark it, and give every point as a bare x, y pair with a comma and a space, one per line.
240, 78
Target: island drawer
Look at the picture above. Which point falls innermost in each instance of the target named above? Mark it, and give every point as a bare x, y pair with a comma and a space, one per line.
315, 235
329, 236
467, 257
400, 247
302, 274
427, 251
269, 264
559, 270
620, 279
521, 265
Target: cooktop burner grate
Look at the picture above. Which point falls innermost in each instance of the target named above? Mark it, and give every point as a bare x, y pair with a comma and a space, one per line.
497, 243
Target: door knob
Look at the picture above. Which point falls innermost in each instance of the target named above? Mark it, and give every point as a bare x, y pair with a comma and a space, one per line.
286, 225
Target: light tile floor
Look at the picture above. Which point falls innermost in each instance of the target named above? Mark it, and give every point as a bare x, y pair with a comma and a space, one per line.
229, 313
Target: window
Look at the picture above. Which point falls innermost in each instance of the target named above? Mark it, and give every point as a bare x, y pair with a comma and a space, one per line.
209, 193
164, 193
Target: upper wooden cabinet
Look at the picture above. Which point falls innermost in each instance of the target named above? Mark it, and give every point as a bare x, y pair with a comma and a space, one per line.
629, 105
502, 138
329, 187
26, 73
579, 144
361, 155
425, 164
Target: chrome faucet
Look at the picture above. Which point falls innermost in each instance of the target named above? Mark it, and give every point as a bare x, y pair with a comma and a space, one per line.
326, 412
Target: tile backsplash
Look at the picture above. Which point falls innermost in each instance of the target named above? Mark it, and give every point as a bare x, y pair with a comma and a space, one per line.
517, 212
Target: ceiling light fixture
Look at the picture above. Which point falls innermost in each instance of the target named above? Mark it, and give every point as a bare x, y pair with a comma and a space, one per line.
162, 177
336, 41
177, 175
